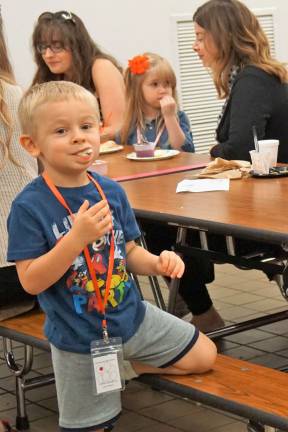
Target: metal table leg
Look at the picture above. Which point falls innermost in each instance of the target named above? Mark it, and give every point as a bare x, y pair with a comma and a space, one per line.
20, 372
22, 383
153, 281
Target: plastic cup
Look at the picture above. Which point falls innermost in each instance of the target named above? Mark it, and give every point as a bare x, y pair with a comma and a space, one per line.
144, 150
99, 166
270, 147
260, 163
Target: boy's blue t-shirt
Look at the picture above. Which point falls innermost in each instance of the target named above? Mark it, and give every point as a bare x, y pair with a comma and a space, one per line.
37, 221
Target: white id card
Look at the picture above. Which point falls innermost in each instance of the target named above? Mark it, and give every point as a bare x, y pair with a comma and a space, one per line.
107, 358
107, 374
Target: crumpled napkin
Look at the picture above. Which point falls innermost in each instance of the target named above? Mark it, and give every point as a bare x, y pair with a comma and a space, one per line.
222, 168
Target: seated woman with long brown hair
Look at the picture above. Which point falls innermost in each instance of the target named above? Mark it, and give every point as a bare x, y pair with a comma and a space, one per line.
231, 42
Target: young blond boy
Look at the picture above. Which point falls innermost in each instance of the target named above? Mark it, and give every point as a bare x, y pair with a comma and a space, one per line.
60, 124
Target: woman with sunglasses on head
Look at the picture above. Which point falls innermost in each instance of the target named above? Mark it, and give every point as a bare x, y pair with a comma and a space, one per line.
231, 42
64, 50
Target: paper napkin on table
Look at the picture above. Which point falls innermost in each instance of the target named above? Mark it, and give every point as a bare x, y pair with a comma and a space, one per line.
203, 185
222, 168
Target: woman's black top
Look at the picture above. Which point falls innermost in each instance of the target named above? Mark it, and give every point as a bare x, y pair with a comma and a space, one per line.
260, 99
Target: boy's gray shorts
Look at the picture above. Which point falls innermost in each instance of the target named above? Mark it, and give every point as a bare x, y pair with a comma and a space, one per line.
160, 341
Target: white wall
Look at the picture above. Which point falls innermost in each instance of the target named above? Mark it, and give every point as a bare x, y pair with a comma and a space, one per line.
122, 27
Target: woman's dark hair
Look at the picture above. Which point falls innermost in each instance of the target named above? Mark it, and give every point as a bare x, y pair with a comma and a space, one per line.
67, 28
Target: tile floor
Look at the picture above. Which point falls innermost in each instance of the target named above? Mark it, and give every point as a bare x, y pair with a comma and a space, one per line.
237, 295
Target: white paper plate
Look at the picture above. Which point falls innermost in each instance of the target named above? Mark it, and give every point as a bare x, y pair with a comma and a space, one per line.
159, 154
109, 148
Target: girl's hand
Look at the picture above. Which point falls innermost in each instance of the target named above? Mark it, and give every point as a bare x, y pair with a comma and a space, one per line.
170, 264
168, 106
92, 223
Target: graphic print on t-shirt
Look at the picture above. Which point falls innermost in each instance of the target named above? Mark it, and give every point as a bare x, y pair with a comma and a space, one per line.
79, 282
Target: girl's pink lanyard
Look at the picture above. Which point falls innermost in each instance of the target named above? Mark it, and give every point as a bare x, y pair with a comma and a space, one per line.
101, 303
140, 136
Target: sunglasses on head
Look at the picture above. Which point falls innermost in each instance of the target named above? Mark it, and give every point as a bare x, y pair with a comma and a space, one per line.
61, 15
56, 46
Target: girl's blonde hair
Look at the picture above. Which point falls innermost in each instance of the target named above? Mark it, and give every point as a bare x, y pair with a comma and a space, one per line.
7, 75
239, 39
134, 116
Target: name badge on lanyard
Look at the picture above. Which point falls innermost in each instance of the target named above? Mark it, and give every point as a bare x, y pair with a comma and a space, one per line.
107, 358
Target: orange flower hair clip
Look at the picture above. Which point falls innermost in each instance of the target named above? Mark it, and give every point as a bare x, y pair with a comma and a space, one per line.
139, 64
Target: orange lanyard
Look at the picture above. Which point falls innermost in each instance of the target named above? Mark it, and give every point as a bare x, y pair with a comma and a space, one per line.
101, 303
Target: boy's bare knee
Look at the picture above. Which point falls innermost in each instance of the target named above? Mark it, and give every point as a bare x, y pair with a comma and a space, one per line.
208, 358
200, 358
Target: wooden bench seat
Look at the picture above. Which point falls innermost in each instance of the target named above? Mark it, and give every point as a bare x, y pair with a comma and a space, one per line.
251, 391
26, 328
255, 392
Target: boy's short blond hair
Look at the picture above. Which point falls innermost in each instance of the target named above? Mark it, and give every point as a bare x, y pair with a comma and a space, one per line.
52, 91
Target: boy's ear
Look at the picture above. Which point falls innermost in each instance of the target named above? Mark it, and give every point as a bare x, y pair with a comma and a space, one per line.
29, 145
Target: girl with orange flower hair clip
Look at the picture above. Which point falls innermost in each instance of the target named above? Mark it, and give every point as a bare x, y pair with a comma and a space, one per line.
152, 115
152, 111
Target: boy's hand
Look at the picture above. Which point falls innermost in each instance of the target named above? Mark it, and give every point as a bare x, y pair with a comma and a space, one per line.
92, 223
170, 264
168, 106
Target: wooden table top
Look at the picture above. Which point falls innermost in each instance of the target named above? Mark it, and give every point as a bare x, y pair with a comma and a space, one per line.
119, 166
252, 208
